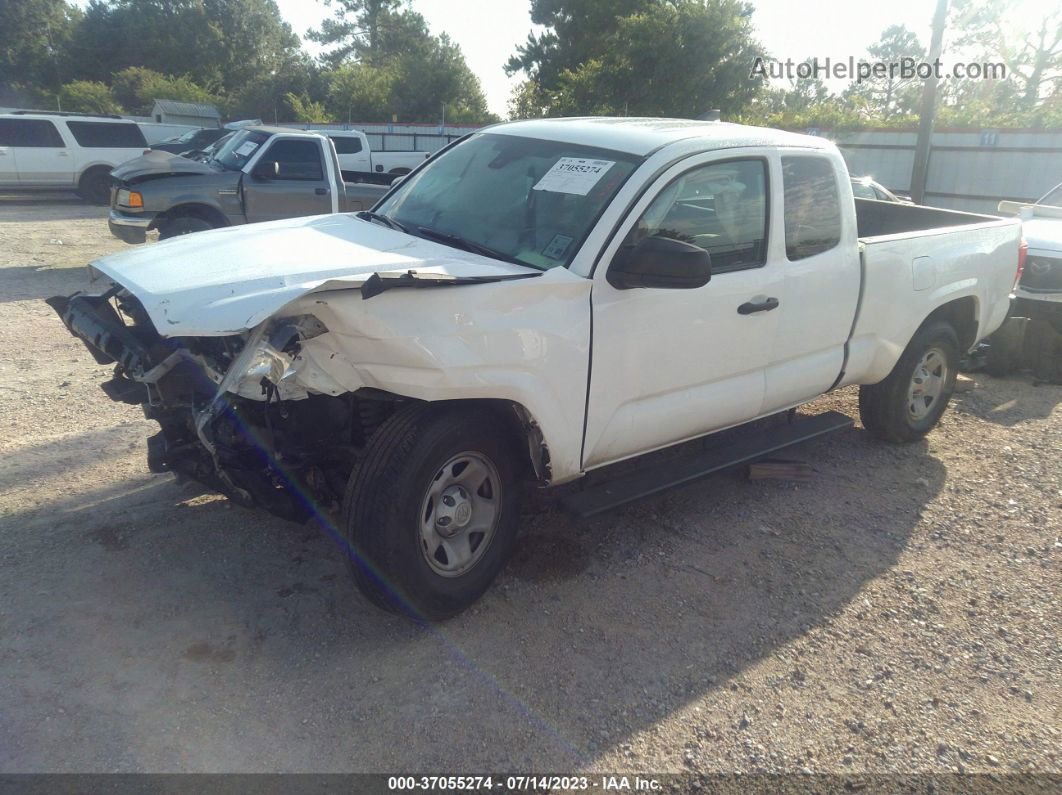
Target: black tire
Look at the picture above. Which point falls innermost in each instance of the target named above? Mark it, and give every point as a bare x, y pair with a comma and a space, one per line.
1005, 347
182, 225
389, 489
885, 407
95, 186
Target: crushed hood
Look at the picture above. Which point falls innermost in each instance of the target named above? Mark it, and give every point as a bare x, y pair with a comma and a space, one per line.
226, 281
159, 162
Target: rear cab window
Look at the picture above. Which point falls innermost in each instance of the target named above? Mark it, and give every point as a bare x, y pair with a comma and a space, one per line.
346, 144
30, 133
106, 135
812, 206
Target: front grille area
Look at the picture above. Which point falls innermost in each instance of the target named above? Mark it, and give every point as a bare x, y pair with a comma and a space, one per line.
1042, 274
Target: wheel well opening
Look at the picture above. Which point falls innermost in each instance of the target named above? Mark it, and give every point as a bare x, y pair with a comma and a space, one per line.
205, 212
962, 314
525, 432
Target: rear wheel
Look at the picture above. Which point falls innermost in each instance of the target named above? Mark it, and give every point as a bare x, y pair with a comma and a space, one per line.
431, 510
95, 186
182, 225
910, 401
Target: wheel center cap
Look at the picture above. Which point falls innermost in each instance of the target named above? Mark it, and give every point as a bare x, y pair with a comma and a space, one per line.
454, 511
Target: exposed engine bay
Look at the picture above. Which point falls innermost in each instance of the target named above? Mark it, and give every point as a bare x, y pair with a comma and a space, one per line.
218, 401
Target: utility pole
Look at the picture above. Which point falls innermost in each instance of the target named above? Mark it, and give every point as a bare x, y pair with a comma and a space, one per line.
928, 111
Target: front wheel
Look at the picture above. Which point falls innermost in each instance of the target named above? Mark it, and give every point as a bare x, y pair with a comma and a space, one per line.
910, 401
431, 510
183, 225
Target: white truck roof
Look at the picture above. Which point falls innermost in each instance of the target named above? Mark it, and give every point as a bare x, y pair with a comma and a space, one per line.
640, 136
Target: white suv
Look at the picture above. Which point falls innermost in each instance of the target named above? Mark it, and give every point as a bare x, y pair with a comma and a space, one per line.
65, 151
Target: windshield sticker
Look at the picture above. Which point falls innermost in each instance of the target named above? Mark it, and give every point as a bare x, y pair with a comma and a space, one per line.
245, 149
574, 175
557, 246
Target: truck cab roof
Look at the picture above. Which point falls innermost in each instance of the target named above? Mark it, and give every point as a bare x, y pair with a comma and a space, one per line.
642, 136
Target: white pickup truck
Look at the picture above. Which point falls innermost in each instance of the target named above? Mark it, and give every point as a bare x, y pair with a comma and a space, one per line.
540, 301
359, 163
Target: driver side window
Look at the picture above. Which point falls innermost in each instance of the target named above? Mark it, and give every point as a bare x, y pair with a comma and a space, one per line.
720, 207
300, 160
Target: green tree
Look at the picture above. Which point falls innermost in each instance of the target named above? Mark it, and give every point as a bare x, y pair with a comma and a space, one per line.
34, 37
528, 101
88, 96
669, 58
307, 110
266, 96
356, 29
1029, 45
891, 94
219, 44
575, 32
386, 62
137, 88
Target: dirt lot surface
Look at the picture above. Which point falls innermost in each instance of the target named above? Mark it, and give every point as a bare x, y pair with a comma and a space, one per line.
899, 612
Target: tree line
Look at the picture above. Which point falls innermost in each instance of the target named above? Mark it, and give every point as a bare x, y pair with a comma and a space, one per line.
684, 57
379, 60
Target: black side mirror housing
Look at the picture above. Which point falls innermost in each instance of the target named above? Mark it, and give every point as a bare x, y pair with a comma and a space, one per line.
267, 169
660, 262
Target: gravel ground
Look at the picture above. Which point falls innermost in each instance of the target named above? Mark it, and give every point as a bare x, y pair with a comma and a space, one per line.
897, 613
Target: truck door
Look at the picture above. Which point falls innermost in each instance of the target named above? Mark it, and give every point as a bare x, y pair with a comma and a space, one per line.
290, 178
671, 364
821, 281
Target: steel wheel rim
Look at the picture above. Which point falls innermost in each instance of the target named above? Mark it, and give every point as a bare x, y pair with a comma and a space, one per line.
459, 514
927, 384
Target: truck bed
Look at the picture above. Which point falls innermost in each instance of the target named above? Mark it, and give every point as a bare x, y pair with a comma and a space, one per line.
880, 219
914, 259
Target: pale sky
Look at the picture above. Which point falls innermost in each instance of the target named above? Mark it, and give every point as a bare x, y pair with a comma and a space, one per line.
489, 30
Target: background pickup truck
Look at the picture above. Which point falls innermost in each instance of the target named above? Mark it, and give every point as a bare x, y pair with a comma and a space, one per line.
360, 164
1032, 335
541, 301
259, 174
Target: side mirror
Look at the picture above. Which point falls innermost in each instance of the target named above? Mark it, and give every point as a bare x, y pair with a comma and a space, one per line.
1009, 207
661, 262
267, 169
397, 180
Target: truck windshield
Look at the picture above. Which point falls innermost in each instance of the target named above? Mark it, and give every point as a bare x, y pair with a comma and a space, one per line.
238, 149
531, 201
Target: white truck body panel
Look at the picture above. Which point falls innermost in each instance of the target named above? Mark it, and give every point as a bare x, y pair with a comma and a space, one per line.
908, 276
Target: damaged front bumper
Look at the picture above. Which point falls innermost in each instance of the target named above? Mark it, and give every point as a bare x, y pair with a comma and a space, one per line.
224, 420
129, 228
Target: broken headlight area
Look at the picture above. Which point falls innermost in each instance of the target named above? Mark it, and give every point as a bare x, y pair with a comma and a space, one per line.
267, 366
230, 412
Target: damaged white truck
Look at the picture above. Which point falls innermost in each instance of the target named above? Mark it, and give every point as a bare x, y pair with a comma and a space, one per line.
530, 307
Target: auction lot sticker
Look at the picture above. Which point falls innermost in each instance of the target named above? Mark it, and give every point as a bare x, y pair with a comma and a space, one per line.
574, 175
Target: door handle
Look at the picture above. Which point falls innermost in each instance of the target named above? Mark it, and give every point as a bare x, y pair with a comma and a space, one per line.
766, 305
321, 191
64, 153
